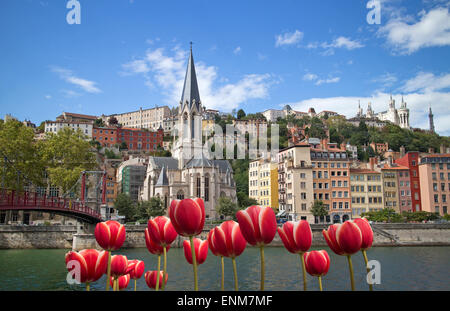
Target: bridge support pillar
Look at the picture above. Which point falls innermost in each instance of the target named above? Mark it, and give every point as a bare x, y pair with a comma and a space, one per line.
84, 238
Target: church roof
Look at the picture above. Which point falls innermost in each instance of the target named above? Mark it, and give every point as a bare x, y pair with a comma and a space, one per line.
168, 162
162, 179
190, 88
222, 165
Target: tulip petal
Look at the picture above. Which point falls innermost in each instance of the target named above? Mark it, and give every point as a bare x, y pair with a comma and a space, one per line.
349, 237
246, 225
267, 224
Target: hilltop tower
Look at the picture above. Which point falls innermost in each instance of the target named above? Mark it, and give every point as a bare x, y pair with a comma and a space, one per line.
430, 118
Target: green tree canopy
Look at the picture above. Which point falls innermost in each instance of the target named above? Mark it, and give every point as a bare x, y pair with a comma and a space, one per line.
66, 154
226, 207
125, 206
152, 208
318, 209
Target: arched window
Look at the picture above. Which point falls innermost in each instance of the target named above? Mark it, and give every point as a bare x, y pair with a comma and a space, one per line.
180, 195
199, 184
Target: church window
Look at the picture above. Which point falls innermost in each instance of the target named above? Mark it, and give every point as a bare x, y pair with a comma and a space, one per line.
199, 181
206, 189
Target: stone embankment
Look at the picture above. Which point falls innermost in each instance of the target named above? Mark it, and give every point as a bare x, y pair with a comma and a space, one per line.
67, 236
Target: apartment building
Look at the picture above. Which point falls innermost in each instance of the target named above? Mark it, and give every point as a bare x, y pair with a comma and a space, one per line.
397, 187
56, 126
295, 183
411, 161
263, 182
135, 139
151, 119
366, 188
434, 172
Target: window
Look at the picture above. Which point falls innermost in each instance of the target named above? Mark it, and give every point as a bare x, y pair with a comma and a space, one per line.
199, 182
206, 189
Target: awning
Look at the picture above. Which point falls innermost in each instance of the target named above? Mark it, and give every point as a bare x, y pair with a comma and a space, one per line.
281, 213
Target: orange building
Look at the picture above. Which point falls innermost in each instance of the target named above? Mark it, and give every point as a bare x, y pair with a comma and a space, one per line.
434, 173
106, 136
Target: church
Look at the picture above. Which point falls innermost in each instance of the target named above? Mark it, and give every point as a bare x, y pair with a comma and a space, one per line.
188, 173
396, 116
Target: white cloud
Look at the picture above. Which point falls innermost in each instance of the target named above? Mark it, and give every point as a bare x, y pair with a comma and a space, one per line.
168, 72
70, 93
406, 37
288, 38
237, 50
68, 76
310, 77
329, 80
48, 96
418, 104
388, 79
427, 82
343, 42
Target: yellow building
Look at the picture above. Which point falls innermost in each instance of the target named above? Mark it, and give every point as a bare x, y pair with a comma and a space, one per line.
207, 124
390, 188
366, 188
263, 182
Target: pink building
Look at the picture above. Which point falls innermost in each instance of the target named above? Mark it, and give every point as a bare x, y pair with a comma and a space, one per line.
404, 189
434, 172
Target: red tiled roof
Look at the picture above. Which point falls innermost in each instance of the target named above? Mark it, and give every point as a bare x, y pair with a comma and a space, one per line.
363, 171
77, 115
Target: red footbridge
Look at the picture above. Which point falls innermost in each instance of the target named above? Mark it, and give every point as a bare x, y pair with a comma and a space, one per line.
31, 201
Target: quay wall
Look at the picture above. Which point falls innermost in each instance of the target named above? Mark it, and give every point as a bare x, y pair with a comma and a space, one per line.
67, 236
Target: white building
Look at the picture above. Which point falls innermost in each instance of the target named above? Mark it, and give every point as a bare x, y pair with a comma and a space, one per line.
56, 126
398, 117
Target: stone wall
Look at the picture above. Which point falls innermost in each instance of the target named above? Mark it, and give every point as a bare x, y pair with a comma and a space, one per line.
36, 236
67, 236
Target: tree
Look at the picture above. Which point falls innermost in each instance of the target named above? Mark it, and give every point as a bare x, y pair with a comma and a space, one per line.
240, 114
226, 207
125, 206
152, 208
99, 123
123, 146
318, 209
66, 154
19, 158
113, 121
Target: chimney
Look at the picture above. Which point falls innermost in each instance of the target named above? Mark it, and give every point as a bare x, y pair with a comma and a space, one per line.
372, 163
343, 146
390, 161
430, 150
442, 149
402, 151
324, 143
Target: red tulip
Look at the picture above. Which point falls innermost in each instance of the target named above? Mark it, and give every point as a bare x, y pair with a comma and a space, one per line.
92, 264
151, 276
122, 281
366, 231
211, 246
296, 236
349, 237
152, 247
200, 248
258, 224
330, 238
110, 235
317, 262
119, 265
135, 269
187, 216
161, 231
228, 239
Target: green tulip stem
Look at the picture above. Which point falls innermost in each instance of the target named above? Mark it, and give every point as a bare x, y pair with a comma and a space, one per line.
367, 268
261, 250
135, 283
88, 286
350, 265
164, 268
320, 283
303, 270
235, 274
194, 263
157, 275
222, 283
108, 273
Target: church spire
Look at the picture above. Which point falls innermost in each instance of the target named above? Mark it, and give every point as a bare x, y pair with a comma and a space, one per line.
190, 95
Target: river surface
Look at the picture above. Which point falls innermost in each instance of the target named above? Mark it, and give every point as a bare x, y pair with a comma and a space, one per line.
402, 268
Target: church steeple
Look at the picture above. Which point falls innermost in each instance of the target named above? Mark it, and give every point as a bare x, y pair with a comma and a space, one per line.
430, 117
190, 95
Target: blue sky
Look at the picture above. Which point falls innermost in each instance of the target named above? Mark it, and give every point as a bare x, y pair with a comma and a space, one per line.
254, 55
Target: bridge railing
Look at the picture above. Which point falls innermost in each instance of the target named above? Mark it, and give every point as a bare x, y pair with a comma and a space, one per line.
12, 198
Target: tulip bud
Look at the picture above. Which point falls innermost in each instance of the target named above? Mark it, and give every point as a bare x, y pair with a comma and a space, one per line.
110, 235
258, 224
187, 216
296, 236
151, 278
119, 265
93, 264
349, 237
152, 247
200, 248
122, 281
330, 237
317, 263
135, 269
366, 231
228, 239
161, 231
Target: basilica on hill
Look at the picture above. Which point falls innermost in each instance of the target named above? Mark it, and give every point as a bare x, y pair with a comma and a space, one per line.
393, 115
181, 176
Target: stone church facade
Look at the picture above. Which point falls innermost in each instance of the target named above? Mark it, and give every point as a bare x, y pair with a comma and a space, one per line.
396, 116
188, 173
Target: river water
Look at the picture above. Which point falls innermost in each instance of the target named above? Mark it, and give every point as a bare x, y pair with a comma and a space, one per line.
402, 268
